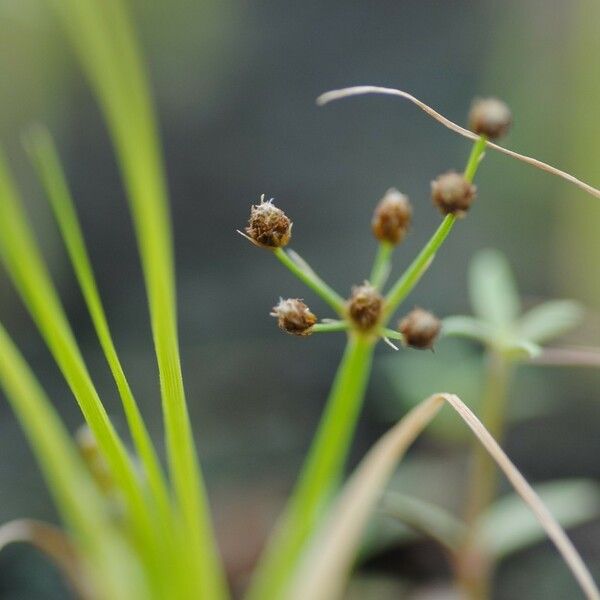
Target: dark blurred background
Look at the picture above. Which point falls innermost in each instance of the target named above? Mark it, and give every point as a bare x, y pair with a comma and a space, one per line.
235, 84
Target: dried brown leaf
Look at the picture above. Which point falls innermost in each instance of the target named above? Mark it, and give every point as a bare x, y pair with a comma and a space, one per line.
323, 574
371, 89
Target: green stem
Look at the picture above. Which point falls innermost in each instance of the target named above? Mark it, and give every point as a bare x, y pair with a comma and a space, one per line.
381, 266
415, 271
473, 569
391, 333
477, 152
312, 280
320, 474
330, 327
417, 268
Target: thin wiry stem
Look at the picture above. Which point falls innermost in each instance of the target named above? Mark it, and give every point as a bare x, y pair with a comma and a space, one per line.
371, 89
417, 268
329, 327
381, 265
311, 279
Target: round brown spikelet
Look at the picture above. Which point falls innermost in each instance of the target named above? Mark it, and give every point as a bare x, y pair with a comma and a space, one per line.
420, 328
269, 226
490, 117
365, 306
452, 193
294, 317
391, 218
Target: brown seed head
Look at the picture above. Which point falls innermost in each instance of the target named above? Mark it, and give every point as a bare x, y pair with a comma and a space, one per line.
420, 328
452, 193
391, 218
490, 117
294, 317
365, 306
269, 226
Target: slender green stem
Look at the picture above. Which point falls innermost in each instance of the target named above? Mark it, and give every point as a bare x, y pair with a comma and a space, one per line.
392, 334
320, 475
474, 569
475, 158
47, 163
416, 270
312, 280
329, 327
381, 266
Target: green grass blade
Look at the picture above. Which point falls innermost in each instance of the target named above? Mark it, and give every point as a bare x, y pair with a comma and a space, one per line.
47, 163
107, 48
113, 568
25, 266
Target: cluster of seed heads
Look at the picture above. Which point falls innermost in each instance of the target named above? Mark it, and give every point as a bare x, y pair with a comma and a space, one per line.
269, 227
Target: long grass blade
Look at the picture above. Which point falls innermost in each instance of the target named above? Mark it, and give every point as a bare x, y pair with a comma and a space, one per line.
51, 174
324, 572
26, 268
111, 567
102, 35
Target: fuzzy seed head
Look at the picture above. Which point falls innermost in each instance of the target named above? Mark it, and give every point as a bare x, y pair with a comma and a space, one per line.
269, 226
391, 218
490, 117
365, 306
452, 193
420, 328
294, 317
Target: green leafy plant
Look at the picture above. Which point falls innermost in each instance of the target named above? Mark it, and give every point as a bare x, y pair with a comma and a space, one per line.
145, 533
509, 338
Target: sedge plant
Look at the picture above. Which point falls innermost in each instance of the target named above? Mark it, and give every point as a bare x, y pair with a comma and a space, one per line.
144, 532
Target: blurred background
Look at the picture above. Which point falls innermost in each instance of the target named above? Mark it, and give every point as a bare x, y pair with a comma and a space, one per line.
235, 83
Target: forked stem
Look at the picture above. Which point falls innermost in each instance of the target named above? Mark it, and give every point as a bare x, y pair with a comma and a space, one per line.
404, 286
312, 280
381, 266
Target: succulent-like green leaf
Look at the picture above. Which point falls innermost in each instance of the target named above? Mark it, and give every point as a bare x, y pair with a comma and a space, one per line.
549, 320
468, 327
492, 288
509, 526
521, 349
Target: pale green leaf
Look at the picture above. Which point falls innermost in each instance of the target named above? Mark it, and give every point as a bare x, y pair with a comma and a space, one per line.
425, 517
521, 349
509, 526
468, 327
493, 291
550, 320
